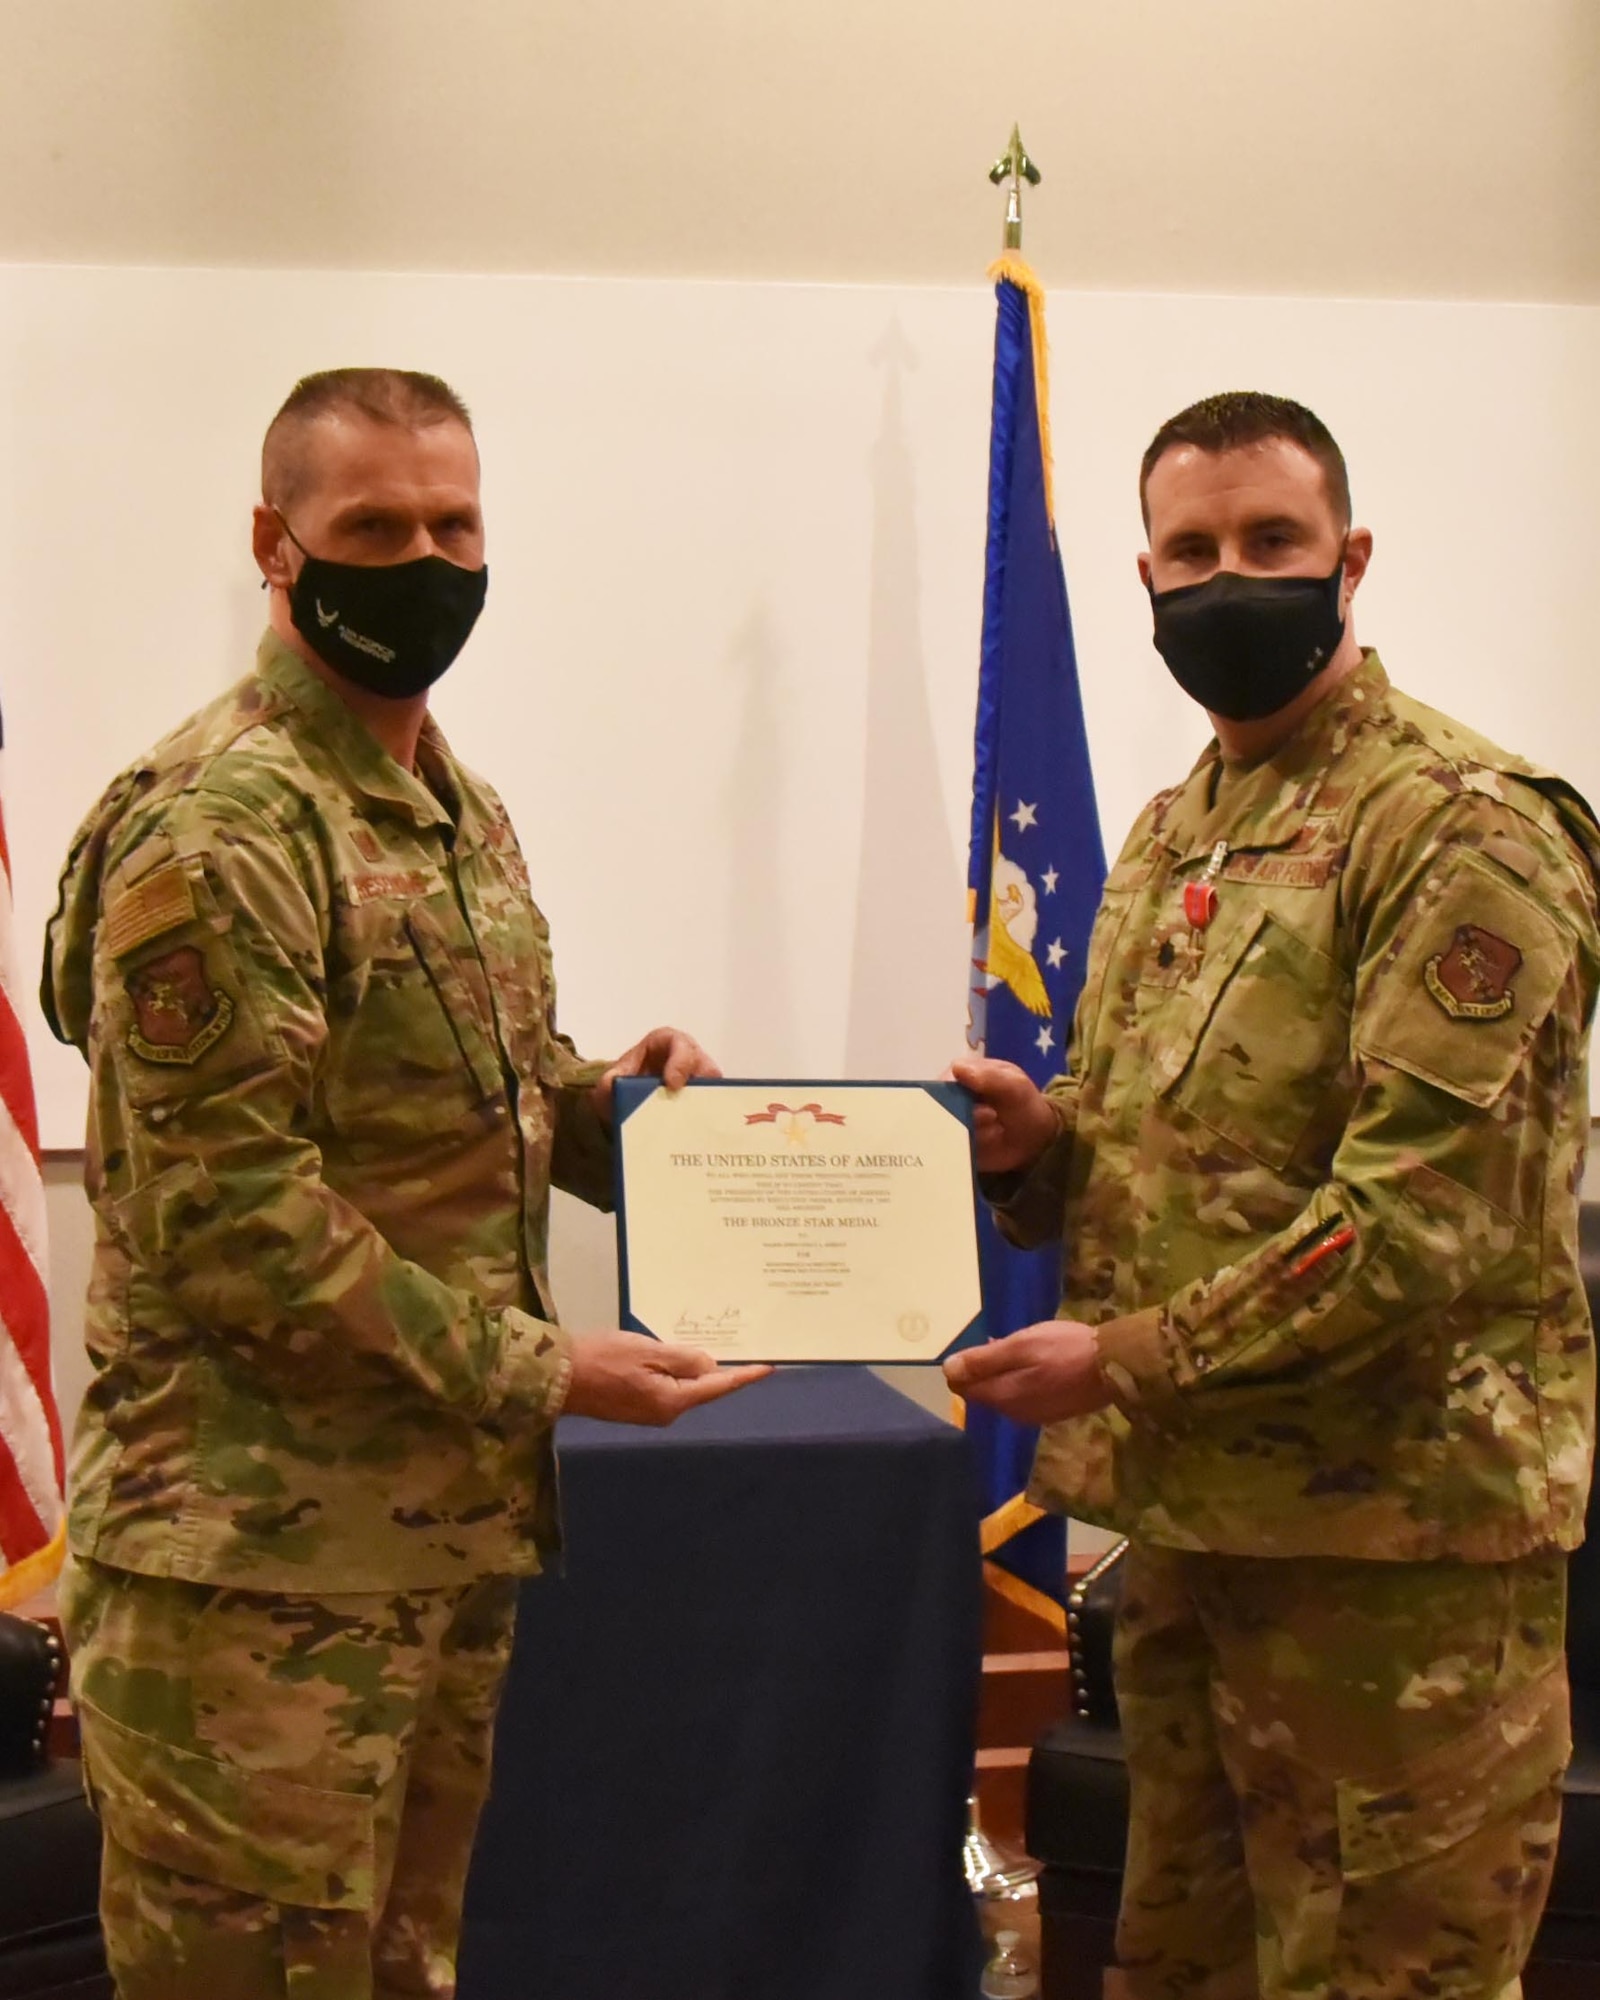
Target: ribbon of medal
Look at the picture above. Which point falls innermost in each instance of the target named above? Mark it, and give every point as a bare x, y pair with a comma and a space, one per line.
1200, 898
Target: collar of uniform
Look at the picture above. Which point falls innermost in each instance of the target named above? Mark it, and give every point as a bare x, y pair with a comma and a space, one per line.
441, 773
366, 763
1275, 796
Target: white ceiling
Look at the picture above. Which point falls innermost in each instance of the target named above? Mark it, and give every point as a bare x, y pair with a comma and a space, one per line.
1380, 147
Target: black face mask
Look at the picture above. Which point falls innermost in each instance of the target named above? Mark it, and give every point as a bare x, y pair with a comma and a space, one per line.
1245, 646
392, 629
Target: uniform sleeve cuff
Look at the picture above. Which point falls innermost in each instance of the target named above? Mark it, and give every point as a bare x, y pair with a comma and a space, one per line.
535, 1371
1028, 1203
581, 1155
1140, 1360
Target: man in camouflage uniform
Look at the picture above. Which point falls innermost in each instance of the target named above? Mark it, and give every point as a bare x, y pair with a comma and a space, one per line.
296, 944
1324, 1354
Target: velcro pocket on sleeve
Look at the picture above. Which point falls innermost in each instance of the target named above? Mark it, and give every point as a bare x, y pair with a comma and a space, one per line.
1470, 982
1493, 1768
175, 999
252, 1831
159, 1217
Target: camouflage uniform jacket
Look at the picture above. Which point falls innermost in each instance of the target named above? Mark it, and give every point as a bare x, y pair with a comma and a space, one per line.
327, 1103
1318, 1170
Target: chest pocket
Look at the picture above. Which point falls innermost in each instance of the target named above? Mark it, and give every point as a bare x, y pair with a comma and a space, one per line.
1255, 1043
410, 1048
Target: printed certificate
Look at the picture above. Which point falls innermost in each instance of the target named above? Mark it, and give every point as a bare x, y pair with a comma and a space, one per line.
799, 1221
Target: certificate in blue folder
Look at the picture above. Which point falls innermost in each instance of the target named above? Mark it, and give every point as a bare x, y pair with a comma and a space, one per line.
799, 1221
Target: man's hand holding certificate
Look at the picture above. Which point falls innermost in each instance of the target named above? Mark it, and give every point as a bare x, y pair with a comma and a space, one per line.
799, 1222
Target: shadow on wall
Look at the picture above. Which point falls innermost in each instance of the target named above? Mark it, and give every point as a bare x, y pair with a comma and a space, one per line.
760, 1006
908, 970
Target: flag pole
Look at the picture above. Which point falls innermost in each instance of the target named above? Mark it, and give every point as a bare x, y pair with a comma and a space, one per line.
1015, 166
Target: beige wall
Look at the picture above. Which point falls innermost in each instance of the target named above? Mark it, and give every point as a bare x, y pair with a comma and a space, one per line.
1403, 148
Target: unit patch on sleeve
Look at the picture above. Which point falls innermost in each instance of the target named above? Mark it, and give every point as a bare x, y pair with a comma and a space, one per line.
1472, 980
178, 1014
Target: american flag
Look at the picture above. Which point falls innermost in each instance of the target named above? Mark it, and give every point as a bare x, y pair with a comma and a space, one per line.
31, 1529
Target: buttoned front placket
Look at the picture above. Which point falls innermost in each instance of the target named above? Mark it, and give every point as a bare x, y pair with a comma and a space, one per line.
501, 968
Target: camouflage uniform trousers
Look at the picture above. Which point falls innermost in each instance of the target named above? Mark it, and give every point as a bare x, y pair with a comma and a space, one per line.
288, 1786
1345, 1775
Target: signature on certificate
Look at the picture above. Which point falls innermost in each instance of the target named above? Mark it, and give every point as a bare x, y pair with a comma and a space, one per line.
704, 1325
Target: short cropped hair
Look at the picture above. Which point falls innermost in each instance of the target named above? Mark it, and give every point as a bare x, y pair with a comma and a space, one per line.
1242, 417
401, 396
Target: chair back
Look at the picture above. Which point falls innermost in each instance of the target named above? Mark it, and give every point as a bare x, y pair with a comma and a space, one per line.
30, 1661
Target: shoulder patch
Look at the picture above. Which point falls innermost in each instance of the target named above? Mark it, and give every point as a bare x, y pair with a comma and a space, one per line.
177, 1013
158, 902
1472, 980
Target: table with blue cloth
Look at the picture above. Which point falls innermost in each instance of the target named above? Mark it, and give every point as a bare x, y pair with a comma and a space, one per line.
736, 1739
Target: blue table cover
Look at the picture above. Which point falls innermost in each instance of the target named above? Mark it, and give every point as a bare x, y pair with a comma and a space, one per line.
737, 1736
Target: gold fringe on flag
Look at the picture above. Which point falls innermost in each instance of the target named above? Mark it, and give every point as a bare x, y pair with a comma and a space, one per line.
34, 1572
1014, 269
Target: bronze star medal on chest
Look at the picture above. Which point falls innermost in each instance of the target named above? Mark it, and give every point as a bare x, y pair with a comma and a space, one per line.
1200, 898
1472, 980
178, 1014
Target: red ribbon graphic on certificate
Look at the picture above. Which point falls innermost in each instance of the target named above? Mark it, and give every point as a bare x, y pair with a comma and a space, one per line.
774, 1112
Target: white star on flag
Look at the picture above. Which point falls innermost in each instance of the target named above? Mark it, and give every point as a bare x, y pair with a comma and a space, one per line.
1056, 953
1025, 816
1044, 1041
1050, 878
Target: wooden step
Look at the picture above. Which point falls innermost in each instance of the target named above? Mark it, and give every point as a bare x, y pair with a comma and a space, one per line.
1010, 1628
1022, 1695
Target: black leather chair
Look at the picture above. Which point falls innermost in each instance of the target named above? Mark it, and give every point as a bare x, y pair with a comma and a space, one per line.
1077, 1785
49, 1839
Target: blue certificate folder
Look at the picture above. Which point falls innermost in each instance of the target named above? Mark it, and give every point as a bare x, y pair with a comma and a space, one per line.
633, 1091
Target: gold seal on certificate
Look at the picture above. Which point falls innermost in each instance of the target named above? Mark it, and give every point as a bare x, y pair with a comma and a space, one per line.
799, 1222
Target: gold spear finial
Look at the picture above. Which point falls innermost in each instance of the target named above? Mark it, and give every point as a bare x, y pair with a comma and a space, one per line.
1014, 164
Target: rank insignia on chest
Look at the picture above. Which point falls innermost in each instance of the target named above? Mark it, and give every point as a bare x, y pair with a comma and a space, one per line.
178, 1014
1472, 980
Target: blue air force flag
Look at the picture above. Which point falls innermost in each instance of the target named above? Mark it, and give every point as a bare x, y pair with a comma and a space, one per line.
1034, 875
